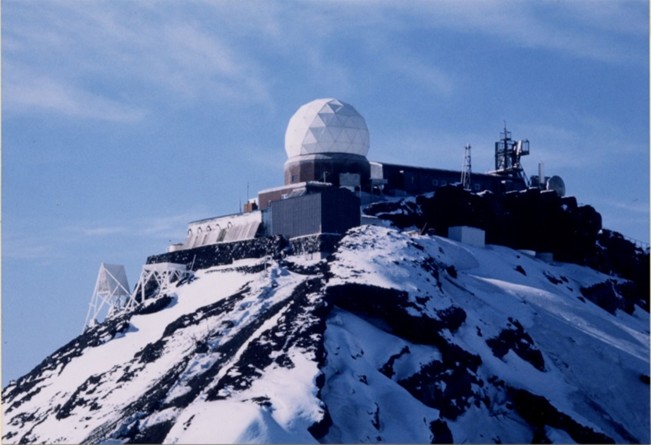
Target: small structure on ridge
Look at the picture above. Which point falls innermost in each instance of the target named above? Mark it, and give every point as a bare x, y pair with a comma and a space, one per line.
111, 293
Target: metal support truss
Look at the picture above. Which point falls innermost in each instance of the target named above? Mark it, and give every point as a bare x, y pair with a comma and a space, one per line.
155, 279
110, 295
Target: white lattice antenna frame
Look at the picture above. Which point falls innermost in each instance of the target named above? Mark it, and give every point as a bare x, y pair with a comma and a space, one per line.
163, 274
111, 293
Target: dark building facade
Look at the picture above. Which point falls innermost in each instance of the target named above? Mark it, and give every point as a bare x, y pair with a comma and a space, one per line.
328, 167
332, 211
417, 180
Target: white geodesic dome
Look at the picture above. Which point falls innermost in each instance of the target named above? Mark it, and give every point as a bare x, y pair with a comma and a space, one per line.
326, 126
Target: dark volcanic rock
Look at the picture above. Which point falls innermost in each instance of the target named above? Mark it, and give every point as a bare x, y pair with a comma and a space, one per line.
515, 338
440, 432
296, 326
539, 412
391, 306
611, 295
446, 386
528, 219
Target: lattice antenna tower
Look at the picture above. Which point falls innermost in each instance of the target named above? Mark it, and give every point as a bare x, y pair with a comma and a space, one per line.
508, 153
466, 171
110, 295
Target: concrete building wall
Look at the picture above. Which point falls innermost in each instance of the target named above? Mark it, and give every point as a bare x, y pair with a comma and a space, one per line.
329, 211
297, 216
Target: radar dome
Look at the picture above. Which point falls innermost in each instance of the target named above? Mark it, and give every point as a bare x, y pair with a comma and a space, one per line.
326, 126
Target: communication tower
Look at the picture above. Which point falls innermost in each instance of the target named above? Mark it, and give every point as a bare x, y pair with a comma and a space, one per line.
507, 155
466, 171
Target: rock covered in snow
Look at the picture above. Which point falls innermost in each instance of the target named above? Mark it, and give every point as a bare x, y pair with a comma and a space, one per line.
393, 338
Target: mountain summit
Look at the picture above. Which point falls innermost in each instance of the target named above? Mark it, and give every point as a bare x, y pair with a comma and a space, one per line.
395, 337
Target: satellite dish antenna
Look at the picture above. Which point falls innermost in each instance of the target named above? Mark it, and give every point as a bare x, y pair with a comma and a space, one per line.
557, 184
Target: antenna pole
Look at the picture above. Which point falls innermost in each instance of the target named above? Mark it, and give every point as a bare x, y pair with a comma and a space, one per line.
466, 172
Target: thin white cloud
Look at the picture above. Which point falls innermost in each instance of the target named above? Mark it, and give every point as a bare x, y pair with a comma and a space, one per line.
150, 227
33, 92
103, 231
580, 141
105, 61
633, 206
111, 61
625, 17
560, 26
165, 226
28, 249
28, 240
428, 76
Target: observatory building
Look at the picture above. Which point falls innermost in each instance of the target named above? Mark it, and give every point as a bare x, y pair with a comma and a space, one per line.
327, 177
327, 140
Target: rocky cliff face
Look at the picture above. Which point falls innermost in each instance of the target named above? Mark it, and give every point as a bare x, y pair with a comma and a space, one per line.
393, 338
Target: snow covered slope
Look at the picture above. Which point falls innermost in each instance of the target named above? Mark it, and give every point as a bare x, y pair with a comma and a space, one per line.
394, 338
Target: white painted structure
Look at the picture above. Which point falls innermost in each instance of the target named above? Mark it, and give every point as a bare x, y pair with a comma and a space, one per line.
469, 235
222, 229
326, 126
111, 293
162, 274
175, 247
112, 296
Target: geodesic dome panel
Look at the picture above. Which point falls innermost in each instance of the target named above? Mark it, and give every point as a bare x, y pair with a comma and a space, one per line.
326, 126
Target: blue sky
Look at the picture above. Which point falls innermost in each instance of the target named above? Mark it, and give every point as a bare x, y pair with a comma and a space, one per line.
124, 120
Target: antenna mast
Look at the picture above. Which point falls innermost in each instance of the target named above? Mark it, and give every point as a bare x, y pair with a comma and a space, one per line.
466, 172
507, 155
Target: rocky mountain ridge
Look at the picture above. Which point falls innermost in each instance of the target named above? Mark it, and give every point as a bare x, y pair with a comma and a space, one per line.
396, 337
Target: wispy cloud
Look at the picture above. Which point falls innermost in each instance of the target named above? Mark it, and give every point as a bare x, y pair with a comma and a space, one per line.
154, 227
26, 91
428, 76
105, 61
634, 206
114, 61
34, 240
165, 226
579, 28
103, 231
27, 249
580, 141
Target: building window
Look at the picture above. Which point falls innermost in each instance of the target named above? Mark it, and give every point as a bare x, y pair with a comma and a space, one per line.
293, 179
435, 182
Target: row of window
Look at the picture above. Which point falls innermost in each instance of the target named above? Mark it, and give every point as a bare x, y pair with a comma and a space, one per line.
202, 237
